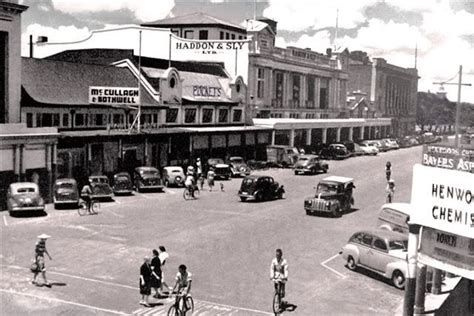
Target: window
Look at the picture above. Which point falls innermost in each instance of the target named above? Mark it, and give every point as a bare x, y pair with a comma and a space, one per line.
189, 34
237, 116
65, 120
310, 81
233, 36
223, 116
221, 35
294, 115
155, 118
279, 89
379, 244
117, 119
203, 35
296, 90
264, 43
207, 115
227, 35
29, 119
99, 119
171, 115
80, 121
357, 238
240, 37
38, 119
367, 240
172, 82
324, 93
189, 116
260, 82
56, 119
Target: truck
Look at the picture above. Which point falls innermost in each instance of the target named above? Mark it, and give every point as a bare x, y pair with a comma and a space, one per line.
286, 156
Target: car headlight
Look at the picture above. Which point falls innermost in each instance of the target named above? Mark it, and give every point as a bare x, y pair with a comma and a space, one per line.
328, 204
14, 204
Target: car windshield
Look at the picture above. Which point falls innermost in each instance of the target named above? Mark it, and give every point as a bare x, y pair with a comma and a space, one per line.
215, 161
122, 178
149, 172
327, 187
237, 160
25, 190
99, 180
176, 171
398, 244
64, 185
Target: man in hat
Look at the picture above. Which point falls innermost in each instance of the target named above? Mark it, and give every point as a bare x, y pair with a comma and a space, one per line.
40, 250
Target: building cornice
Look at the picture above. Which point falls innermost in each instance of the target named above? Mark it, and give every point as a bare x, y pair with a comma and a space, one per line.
12, 8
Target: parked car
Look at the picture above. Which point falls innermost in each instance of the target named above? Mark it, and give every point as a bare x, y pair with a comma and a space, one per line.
310, 164
260, 188
238, 167
24, 196
395, 217
221, 169
100, 187
333, 195
390, 143
407, 141
380, 145
147, 178
286, 156
122, 183
65, 193
369, 149
173, 175
357, 150
381, 251
335, 151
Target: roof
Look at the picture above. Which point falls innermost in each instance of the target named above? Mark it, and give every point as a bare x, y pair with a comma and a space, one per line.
14, 186
65, 180
385, 234
192, 80
194, 19
58, 83
338, 179
404, 208
145, 168
97, 176
173, 168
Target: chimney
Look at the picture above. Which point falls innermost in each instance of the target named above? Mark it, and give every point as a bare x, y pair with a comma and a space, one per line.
329, 52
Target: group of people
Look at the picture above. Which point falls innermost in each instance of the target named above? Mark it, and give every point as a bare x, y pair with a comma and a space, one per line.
390, 190
195, 176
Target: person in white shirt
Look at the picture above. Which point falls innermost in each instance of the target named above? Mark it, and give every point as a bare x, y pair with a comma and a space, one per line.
183, 284
163, 255
279, 271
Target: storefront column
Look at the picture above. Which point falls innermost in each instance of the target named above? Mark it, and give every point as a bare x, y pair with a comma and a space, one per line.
21, 158
89, 158
48, 163
308, 136
16, 161
273, 138
145, 154
351, 132
338, 134
325, 135
292, 137
362, 128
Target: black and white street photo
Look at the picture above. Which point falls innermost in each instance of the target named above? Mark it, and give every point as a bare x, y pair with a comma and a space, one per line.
236, 157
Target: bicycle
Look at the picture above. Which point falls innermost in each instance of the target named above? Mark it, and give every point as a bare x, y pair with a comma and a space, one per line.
277, 297
177, 308
94, 207
187, 194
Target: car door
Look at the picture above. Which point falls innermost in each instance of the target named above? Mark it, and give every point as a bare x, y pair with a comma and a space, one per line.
380, 257
366, 249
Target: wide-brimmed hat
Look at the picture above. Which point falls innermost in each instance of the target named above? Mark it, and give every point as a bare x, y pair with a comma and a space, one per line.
44, 236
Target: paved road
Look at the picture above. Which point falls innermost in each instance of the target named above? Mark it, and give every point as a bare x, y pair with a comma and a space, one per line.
227, 245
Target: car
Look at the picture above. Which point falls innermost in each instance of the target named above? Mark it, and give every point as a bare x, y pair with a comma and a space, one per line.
65, 193
238, 167
221, 169
24, 196
100, 187
260, 188
368, 149
381, 251
390, 143
122, 183
395, 217
333, 196
147, 178
173, 176
335, 151
310, 164
356, 150
380, 145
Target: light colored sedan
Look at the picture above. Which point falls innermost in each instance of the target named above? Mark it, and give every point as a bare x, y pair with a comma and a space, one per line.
369, 148
381, 251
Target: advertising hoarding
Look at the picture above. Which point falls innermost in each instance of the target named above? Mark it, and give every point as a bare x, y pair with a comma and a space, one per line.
114, 96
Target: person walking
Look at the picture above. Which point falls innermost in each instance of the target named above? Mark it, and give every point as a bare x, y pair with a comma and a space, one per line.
210, 178
388, 170
163, 255
40, 250
155, 280
198, 167
145, 276
390, 190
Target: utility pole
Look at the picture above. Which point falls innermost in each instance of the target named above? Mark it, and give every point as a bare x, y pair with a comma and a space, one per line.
458, 103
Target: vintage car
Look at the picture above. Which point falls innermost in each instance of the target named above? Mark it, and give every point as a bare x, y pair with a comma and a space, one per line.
173, 175
390, 143
395, 217
369, 149
282, 155
100, 187
147, 178
333, 196
260, 188
122, 183
381, 251
238, 167
65, 193
24, 196
221, 169
335, 151
310, 164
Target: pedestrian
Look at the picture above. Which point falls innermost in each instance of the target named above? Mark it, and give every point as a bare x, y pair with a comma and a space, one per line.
145, 276
40, 250
390, 190
388, 170
201, 182
155, 280
163, 255
222, 186
210, 178
198, 167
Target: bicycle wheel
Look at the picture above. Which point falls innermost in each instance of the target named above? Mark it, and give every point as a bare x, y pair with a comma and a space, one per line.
196, 193
173, 311
276, 303
95, 207
186, 194
82, 210
190, 304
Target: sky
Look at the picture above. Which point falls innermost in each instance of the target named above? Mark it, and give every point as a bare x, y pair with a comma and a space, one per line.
442, 31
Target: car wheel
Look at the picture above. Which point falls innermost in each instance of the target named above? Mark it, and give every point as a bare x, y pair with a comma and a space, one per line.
351, 264
398, 279
243, 199
296, 173
308, 212
337, 212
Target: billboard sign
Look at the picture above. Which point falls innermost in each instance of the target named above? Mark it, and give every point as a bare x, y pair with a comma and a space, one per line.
448, 157
114, 96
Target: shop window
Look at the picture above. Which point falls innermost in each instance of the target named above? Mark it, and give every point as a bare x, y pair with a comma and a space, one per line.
227, 35
155, 118
223, 115
55, 118
117, 119
237, 116
207, 115
233, 36
38, 119
203, 35
260, 82
29, 119
80, 120
99, 119
240, 37
189, 116
221, 35
279, 89
189, 34
65, 120
296, 90
171, 115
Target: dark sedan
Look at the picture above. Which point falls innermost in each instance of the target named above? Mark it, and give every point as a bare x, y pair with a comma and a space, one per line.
122, 183
260, 188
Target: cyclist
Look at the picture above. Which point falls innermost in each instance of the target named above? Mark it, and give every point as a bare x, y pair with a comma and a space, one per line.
190, 182
183, 285
388, 170
390, 190
86, 194
279, 272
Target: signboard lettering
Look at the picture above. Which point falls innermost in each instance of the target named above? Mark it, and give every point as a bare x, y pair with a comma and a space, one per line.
209, 47
114, 96
205, 91
448, 157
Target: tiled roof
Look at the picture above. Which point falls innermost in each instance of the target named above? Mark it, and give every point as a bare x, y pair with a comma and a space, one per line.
63, 83
197, 18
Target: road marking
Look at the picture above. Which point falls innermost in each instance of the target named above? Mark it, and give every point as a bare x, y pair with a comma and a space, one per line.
5, 220
10, 291
331, 269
